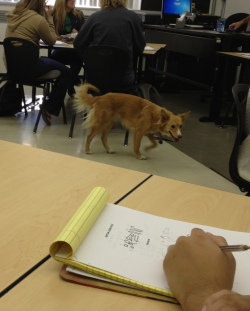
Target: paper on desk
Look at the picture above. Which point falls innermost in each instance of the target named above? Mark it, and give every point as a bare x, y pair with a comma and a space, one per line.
148, 48
80, 272
56, 43
60, 43
129, 246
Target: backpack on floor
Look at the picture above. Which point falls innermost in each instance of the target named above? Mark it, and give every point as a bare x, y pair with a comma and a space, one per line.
11, 101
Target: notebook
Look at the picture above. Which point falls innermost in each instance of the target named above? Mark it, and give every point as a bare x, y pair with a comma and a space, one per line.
128, 246
105, 284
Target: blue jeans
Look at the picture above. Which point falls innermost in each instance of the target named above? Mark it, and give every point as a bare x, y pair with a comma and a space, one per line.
70, 57
44, 65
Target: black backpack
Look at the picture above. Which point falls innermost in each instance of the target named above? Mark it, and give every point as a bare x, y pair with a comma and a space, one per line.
10, 99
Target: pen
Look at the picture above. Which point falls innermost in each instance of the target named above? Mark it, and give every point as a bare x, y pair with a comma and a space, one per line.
234, 248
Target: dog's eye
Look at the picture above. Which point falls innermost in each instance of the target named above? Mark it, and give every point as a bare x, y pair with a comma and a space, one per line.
180, 126
173, 126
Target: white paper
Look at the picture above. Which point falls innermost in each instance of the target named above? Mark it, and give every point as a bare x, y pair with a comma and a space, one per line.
60, 43
149, 48
80, 272
133, 244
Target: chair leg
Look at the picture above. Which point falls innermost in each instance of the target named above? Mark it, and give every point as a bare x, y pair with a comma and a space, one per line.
3, 91
62, 106
40, 111
126, 138
24, 102
64, 113
72, 125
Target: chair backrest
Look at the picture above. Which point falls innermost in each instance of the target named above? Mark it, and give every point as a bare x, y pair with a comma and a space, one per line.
236, 18
240, 93
105, 67
21, 59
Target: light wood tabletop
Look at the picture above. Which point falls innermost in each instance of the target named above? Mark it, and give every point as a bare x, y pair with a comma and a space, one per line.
44, 289
155, 46
236, 54
39, 192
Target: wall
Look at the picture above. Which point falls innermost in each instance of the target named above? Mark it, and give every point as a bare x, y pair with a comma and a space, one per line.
232, 7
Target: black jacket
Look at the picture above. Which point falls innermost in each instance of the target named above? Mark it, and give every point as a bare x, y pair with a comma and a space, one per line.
119, 27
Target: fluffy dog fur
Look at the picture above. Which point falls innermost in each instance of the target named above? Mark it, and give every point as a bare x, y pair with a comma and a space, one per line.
136, 114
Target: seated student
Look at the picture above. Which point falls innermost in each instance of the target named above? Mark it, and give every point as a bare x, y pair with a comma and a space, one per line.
236, 25
200, 274
29, 21
114, 25
68, 20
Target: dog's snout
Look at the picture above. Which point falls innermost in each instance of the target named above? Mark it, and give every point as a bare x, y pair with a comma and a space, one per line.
179, 136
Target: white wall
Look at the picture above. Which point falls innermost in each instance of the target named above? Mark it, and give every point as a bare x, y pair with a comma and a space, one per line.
232, 7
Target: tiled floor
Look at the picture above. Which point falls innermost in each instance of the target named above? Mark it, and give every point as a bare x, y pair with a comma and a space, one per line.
202, 147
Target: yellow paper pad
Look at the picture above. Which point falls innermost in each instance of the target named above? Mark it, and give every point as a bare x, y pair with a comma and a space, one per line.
66, 244
74, 232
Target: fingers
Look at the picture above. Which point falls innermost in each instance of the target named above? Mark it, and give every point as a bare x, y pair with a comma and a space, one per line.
213, 298
226, 300
219, 240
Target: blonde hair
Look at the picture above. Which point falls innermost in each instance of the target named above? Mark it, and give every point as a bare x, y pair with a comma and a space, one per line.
35, 5
59, 14
112, 4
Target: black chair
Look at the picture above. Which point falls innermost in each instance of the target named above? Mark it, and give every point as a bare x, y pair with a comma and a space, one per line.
105, 68
240, 93
236, 18
21, 58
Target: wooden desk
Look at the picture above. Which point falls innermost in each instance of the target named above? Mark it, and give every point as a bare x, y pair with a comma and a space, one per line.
39, 192
44, 290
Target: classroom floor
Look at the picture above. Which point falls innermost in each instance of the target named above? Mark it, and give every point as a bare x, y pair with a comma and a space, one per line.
204, 148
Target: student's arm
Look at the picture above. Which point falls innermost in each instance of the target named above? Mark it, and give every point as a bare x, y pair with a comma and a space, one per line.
46, 29
196, 268
225, 300
139, 42
238, 24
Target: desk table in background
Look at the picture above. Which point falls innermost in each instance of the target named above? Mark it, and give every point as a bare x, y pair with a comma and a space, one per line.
202, 44
45, 290
39, 192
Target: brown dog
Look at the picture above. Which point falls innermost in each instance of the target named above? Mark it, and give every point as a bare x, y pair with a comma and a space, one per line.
136, 114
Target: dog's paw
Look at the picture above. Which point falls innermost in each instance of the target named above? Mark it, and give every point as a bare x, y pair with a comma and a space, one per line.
142, 157
111, 151
88, 152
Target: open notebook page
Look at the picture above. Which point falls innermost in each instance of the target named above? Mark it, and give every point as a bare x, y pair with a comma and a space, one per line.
133, 244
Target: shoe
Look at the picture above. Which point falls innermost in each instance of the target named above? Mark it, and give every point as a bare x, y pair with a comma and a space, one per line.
46, 117
71, 92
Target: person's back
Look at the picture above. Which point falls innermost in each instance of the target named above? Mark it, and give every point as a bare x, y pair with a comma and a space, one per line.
113, 26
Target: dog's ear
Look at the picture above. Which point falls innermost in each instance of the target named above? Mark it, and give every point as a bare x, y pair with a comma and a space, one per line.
184, 116
164, 116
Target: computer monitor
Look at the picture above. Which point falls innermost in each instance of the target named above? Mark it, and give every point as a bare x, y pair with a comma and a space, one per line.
172, 9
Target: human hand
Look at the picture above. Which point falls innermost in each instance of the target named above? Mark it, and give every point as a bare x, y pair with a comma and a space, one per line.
225, 300
49, 10
236, 25
196, 267
74, 31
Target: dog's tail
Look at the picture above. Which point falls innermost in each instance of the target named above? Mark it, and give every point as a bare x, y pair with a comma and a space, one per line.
84, 101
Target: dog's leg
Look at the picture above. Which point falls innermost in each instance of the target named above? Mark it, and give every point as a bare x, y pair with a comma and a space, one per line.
151, 137
105, 138
137, 143
92, 134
